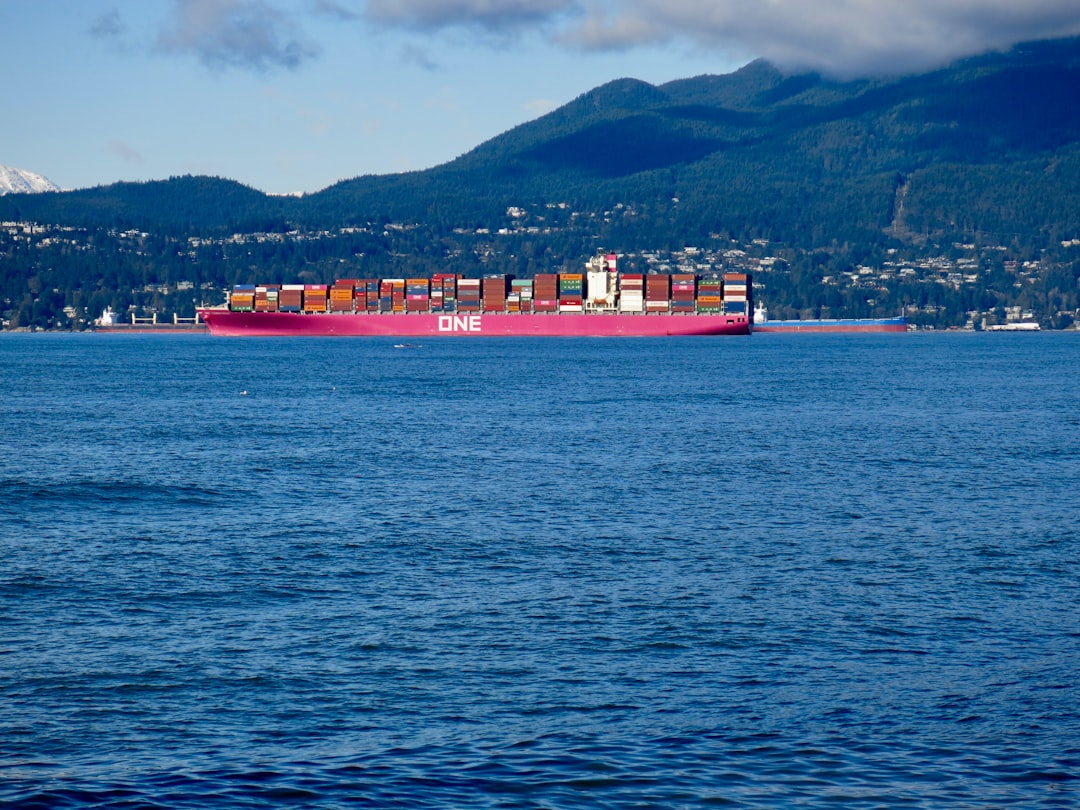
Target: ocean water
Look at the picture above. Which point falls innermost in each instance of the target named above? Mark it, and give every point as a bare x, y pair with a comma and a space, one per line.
810, 571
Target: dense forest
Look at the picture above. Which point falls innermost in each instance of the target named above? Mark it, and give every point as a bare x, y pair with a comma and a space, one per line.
940, 195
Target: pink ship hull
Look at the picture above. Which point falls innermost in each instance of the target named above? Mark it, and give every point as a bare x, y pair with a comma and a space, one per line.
293, 324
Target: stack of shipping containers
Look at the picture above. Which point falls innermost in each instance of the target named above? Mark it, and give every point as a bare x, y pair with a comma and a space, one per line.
494, 294
521, 296
417, 295
571, 289
316, 297
397, 294
683, 292
242, 298
443, 292
388, 295
657, 293
291, 298
266, 298
737, 293
366, 295
710, 295
449, 286
341, 295
546, 292
632, 292
468, 295
436, 293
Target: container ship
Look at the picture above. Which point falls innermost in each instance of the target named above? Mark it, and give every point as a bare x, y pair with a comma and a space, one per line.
599, 302
763, 324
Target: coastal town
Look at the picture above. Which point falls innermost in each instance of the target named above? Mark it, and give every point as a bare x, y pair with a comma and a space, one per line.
958, 286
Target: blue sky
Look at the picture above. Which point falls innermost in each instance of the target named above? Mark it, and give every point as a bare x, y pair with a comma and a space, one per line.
293, 95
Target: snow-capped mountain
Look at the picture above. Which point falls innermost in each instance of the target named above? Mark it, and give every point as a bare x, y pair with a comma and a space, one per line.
18, 181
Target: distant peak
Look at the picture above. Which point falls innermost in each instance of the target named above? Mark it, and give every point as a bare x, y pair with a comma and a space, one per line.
20, 181
626, 93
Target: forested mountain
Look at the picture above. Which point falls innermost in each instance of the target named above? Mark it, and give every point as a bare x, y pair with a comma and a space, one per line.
980, 158
988, 146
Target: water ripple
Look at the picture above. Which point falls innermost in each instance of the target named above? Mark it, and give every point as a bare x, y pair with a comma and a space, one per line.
709, 574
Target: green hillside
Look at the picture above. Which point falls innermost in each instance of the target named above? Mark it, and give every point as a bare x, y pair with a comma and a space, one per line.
984, 153
987, 146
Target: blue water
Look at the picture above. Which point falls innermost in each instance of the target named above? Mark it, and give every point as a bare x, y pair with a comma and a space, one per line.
781, 571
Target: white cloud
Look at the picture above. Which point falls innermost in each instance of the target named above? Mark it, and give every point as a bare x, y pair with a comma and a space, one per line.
838, 36
841, 37
235, 33
834, 36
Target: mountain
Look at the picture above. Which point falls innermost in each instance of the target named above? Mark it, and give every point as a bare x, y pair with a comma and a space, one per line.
989, 145
952, 191
20, 181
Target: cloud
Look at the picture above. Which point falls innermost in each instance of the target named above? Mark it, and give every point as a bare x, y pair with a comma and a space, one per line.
108, 25
420, 57
503, 16
834, 36
841, 37
340, 11
252, 34
125, 152
837, 37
